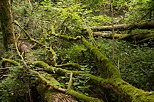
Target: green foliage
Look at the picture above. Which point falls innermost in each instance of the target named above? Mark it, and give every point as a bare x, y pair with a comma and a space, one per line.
134, 62
139, 11
15, 87
70, 17
66, 17
72, 54
80, 83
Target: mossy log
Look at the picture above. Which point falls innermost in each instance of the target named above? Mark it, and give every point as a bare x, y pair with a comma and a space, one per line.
106, 69
113, 77
137, 38
147, 25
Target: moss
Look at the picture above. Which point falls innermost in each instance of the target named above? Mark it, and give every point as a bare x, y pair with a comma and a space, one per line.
54, 56
135, 94
76, 65
39, 63
83, 97
4, 61
67, 37
70, 82
106, 65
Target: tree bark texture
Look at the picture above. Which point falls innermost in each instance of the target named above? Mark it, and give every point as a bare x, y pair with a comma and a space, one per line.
6, 22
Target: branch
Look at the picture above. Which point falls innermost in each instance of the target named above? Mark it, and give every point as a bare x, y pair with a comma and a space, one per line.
76, 65
53, 84
67, 37
54, 69
4, 61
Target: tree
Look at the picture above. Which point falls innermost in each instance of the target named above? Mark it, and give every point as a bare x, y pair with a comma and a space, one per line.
6, 22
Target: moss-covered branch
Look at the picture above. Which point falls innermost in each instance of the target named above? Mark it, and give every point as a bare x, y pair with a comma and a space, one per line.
76, 65
67, 37
70, 82
56, 70
106, 68
54, 84
4, 61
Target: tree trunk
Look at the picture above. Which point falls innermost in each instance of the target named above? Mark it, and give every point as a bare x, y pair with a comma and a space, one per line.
148, 25
137, 38
6, 22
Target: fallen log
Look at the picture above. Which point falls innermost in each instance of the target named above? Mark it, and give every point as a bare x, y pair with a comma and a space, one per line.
114, 79
137, 38
121, 27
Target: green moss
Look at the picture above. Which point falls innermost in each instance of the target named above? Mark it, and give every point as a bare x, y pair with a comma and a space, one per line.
76, 65
106, 66
54, 56
39, 63
83, 97
67, 37
135, 94
4, 61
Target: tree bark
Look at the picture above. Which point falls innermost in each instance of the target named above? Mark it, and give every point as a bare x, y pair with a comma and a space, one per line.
6, 22
148, 25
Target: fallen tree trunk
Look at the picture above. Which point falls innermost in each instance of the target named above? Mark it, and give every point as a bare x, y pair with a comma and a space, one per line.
137, 38
148, 25
114, 79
